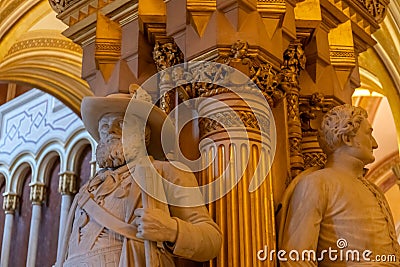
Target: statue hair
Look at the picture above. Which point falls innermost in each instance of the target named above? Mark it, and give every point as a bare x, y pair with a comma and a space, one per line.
340, 121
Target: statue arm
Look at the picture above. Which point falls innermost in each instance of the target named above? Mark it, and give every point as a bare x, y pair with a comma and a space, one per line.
198, 236
302, 223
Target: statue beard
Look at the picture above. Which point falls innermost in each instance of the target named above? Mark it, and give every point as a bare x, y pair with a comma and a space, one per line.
110, 153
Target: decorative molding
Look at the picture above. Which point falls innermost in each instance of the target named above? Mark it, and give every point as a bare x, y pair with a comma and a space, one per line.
74, 11
108, 43
10, 202
271, 8
67, 183
37, 194
366, 14
396, 170
342, 56
227, 119
39, 43
385, 167
10, 8
200, 12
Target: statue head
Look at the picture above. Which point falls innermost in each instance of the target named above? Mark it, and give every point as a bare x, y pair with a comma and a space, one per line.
110, 152
346, 128
125, 124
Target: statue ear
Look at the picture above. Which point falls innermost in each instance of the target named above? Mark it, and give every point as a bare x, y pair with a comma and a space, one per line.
347, 140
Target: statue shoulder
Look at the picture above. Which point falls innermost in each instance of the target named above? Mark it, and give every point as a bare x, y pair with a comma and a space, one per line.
176, 172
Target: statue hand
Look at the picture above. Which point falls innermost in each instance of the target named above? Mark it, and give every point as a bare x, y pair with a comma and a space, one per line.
155, 225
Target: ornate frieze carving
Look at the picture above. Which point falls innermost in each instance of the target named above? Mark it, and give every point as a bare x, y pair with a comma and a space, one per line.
37, 194
10, 203
218, 121
205, 78
67, 183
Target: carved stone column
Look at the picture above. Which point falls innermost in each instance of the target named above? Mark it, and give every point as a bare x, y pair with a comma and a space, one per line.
246, 218
67, 187
37, 196
293, 62
10, 204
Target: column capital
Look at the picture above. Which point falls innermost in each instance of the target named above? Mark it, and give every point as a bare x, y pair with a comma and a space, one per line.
10, 202
37, 194
67, 183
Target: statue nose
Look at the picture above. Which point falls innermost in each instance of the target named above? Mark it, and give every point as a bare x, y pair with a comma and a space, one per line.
374, 143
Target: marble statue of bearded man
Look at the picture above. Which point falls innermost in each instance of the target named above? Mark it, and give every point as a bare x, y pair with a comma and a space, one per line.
107, 223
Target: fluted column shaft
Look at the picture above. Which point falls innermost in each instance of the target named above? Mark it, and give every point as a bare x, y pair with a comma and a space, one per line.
239, 155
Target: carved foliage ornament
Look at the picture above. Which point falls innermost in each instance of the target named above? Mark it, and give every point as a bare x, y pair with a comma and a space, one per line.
67, 183
61, 5
37, 193
376, 8
293, 62
167, 55
312, 107
10, 203
213, 75
309, 107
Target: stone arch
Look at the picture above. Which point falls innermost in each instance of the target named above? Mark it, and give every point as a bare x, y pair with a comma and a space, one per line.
19, 169
48, 61
75, 146
47, 156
